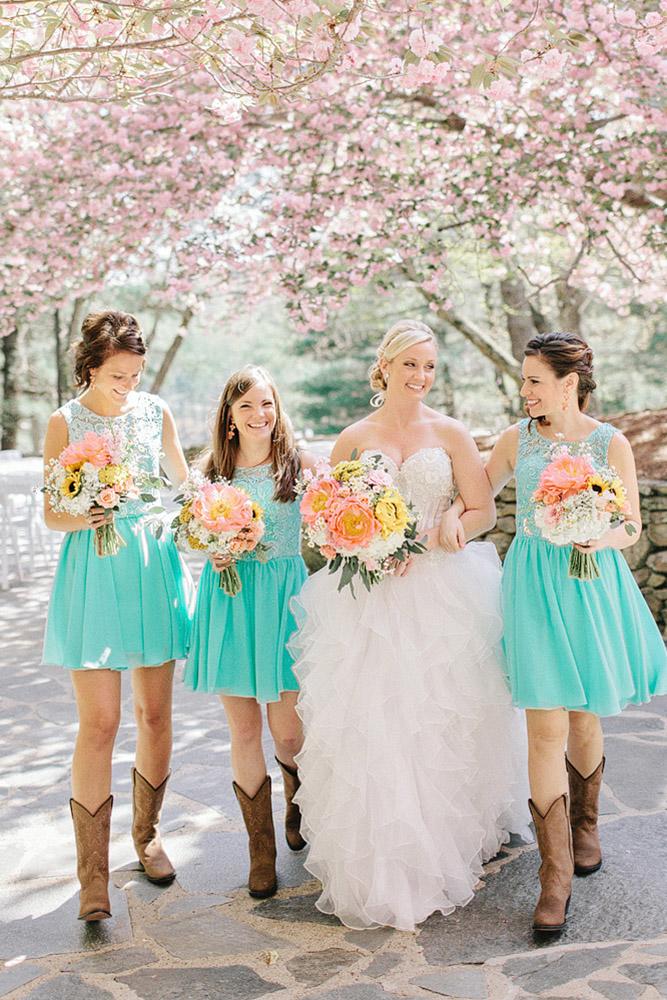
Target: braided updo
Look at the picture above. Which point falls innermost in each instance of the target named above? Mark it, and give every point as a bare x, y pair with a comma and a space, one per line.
406, 333
104, 334
566, 353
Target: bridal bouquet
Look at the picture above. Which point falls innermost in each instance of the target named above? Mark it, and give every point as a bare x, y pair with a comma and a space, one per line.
96, 471
575, 502
356, 519
221, 519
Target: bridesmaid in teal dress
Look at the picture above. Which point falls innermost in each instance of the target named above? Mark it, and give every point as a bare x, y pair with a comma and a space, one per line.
575, 649
112, 614
239, 644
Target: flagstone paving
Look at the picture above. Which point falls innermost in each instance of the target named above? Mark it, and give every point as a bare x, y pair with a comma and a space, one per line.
204, 937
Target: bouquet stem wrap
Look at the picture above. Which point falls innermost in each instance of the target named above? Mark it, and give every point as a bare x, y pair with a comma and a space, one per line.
107, 540
583, 565
230, 581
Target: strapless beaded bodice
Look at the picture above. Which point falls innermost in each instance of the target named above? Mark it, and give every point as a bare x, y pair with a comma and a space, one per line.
283, 520
141, 427
425, 479
534, 454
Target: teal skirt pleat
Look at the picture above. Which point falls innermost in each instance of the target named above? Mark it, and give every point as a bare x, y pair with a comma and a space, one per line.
589, 645
239, 644
133, 609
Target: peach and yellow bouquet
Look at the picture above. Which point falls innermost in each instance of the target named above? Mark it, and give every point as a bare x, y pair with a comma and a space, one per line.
220, 519
577, 502
96, 471
356, 518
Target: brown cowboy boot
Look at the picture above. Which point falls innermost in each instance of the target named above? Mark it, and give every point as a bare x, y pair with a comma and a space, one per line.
554, 839
146, 806
291, 783
584, 801
91, 833
258, 819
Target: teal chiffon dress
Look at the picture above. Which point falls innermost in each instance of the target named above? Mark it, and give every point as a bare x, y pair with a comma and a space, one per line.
239, 644
587, 645
132, 609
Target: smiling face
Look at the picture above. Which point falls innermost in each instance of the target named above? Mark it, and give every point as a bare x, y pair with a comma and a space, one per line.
412, 372
117, 377
542, 390
254, 413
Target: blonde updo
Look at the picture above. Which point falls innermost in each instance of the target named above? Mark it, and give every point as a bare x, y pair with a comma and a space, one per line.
406, 333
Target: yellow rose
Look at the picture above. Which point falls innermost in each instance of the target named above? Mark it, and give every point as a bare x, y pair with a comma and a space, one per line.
392, 513
111, 474
71, 486
345, 471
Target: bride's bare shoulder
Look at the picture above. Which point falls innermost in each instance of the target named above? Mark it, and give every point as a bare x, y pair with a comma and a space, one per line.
352, 438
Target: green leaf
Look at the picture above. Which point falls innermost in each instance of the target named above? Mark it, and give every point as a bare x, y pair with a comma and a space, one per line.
147, 497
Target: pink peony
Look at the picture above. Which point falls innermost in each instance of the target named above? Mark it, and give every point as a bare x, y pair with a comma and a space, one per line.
98, 449
316, 498
222, 508
566, 476
351, 523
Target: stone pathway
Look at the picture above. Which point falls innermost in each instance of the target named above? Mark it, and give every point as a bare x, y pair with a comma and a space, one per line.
204, 937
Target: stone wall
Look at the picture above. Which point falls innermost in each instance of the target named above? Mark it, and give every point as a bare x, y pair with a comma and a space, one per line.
647, 558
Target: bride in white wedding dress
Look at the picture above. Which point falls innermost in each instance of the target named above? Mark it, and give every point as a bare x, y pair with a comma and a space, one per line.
413, 766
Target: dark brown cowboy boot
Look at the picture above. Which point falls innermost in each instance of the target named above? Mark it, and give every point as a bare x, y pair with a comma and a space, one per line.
291, 783
146, 807
258, 819
554, 839
91, 833
584, 803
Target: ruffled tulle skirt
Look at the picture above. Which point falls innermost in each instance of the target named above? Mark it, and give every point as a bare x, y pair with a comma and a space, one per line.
119, 612
239, 644
587, 645
413, 767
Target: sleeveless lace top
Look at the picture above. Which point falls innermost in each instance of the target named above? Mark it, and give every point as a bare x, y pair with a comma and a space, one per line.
283, 520
534, 454
142, 426
425, 479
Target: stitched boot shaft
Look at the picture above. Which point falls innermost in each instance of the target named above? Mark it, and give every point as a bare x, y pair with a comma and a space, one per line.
554, 839
91, 833
258, 819
146, 807
584, 807
291, 784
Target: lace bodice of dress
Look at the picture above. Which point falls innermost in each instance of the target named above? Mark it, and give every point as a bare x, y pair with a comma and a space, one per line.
425, 479
534, 454
141, 426
283, 520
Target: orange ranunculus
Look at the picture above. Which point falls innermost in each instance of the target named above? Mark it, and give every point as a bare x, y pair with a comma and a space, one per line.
248, 538
351, 522
317, 496
563, 478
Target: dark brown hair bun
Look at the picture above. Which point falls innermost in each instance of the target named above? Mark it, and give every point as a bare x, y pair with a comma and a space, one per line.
104, 334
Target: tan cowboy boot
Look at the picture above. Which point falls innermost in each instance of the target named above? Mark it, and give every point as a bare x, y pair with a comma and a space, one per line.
584, 803
291, 783
91, 833
146, 806
258, 819
554, 839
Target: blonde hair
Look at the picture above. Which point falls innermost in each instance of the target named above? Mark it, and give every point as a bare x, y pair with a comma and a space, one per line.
221, 459
406, 333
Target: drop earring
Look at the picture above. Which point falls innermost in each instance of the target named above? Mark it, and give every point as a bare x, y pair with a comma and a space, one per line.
232, 430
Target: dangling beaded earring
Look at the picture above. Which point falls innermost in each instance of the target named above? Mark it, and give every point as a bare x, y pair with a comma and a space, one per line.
232, 430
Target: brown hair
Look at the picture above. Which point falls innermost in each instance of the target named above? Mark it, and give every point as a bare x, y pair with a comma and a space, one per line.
221, 460
565, 353
102, 335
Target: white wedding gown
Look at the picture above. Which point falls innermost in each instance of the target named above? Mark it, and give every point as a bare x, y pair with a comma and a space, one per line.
413, 769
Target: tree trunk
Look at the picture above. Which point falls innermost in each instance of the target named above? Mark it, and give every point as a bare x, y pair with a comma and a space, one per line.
569, 307
148, 340
10, 399
520, 317
172, 351
446, 383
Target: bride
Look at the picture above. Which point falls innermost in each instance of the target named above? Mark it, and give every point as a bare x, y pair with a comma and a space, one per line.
413, 761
